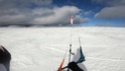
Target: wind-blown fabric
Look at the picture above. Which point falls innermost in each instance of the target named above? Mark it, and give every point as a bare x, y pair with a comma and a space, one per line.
82, 57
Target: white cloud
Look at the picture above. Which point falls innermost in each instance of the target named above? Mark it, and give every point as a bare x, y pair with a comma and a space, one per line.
115, 9
88, 12
20, 12
12, 19
5, 4
60, 15
112, 12
78, 19
41, 16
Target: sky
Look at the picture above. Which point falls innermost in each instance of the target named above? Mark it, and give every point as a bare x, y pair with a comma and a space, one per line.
57, 12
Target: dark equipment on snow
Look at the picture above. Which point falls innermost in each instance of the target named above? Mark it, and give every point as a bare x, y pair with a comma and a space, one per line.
73, 66
5, 57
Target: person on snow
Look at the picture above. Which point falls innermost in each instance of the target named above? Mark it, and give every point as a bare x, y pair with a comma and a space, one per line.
5, 58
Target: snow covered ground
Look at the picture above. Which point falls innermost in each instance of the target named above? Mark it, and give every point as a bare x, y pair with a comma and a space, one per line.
42, 49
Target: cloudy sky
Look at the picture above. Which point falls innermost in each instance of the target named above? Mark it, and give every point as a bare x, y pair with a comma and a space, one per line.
57, 12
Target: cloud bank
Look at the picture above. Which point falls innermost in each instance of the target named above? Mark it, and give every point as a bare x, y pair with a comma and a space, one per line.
115, 9
112, 12
37, 12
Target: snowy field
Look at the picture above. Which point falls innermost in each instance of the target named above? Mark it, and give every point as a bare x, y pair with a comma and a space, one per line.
42, 49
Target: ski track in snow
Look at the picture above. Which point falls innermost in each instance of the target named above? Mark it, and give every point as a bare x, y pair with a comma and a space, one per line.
42, 49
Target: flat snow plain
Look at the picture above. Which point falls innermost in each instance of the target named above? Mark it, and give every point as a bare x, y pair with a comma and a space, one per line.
42, 49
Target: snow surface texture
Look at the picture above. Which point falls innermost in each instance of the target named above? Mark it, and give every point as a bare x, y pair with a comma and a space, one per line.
42, 49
